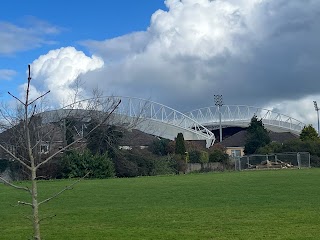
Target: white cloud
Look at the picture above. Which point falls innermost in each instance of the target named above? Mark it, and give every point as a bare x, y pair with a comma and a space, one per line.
32, 34
258, 52
7, 74
300, 109
58, 71
120, 47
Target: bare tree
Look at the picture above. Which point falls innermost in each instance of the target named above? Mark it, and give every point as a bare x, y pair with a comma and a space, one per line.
30, 131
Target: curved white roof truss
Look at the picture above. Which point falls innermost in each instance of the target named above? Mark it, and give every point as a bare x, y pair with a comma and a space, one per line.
150, 117
240, 115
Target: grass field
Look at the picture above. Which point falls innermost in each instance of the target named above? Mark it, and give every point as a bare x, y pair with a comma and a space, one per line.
281, 204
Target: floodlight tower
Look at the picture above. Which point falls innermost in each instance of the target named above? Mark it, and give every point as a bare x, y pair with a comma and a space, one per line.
218, 101
317, 110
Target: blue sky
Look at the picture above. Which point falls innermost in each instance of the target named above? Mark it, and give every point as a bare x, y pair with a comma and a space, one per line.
180, 53
75, 21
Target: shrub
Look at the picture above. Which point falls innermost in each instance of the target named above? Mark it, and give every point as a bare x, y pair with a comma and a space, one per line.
144, 163
77, 164
160, 147
194, 156
124, 167
162, 166
4, 164
314, 161
218, 156
204, 157
179, 163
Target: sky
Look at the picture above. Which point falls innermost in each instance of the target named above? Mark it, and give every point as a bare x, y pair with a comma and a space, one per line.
263, 53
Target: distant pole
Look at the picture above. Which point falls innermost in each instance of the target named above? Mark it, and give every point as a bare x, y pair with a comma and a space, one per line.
218, 101
317, 110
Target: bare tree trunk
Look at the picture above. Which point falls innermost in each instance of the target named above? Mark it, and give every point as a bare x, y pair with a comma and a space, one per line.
35, 205
34, 190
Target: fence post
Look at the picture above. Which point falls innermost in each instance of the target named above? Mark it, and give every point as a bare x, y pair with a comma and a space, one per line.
309, 161
236, 164
299, 160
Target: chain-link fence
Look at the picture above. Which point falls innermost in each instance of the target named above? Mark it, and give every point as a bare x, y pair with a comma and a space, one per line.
273, 161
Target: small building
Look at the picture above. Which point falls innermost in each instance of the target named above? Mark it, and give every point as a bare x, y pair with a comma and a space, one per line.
235, 144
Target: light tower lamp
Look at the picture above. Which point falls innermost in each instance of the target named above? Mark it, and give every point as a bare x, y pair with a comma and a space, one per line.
218, 101
317, 110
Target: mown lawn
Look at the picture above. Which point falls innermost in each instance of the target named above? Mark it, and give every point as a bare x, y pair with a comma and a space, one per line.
281, 204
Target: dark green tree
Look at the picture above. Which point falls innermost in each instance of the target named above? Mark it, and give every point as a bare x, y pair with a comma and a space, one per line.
180, 147
257, 136
160, 147
309, 133
103, 139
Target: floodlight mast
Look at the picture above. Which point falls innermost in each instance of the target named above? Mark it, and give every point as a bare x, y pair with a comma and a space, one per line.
317, 110
218, 101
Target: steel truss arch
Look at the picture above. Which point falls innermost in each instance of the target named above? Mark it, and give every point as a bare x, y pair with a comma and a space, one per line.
240, 115
149, 116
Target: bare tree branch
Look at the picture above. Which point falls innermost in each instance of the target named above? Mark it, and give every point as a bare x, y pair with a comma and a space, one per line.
6, 115
50, 217
33, 113
5, 182
76, 141
24, 203
63, 190
14, 157
28, 89
44, 136
15, 98
38, 98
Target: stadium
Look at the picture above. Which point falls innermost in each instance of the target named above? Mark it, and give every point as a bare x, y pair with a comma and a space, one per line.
198, 125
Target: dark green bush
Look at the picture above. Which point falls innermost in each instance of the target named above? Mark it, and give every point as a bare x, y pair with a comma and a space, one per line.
314, 161
160, 147
124, 167
4, 164
194, 156
179, 163
77, 164
218, 155
204, 157
145, 164
162, 166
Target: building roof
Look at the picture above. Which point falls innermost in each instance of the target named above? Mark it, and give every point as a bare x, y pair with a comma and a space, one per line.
239, 139
136, 138
282, 137
236, 140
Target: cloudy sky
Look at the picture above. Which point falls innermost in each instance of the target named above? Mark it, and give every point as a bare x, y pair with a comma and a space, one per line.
263, 53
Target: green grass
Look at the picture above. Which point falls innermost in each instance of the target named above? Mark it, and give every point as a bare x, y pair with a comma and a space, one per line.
281, 204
